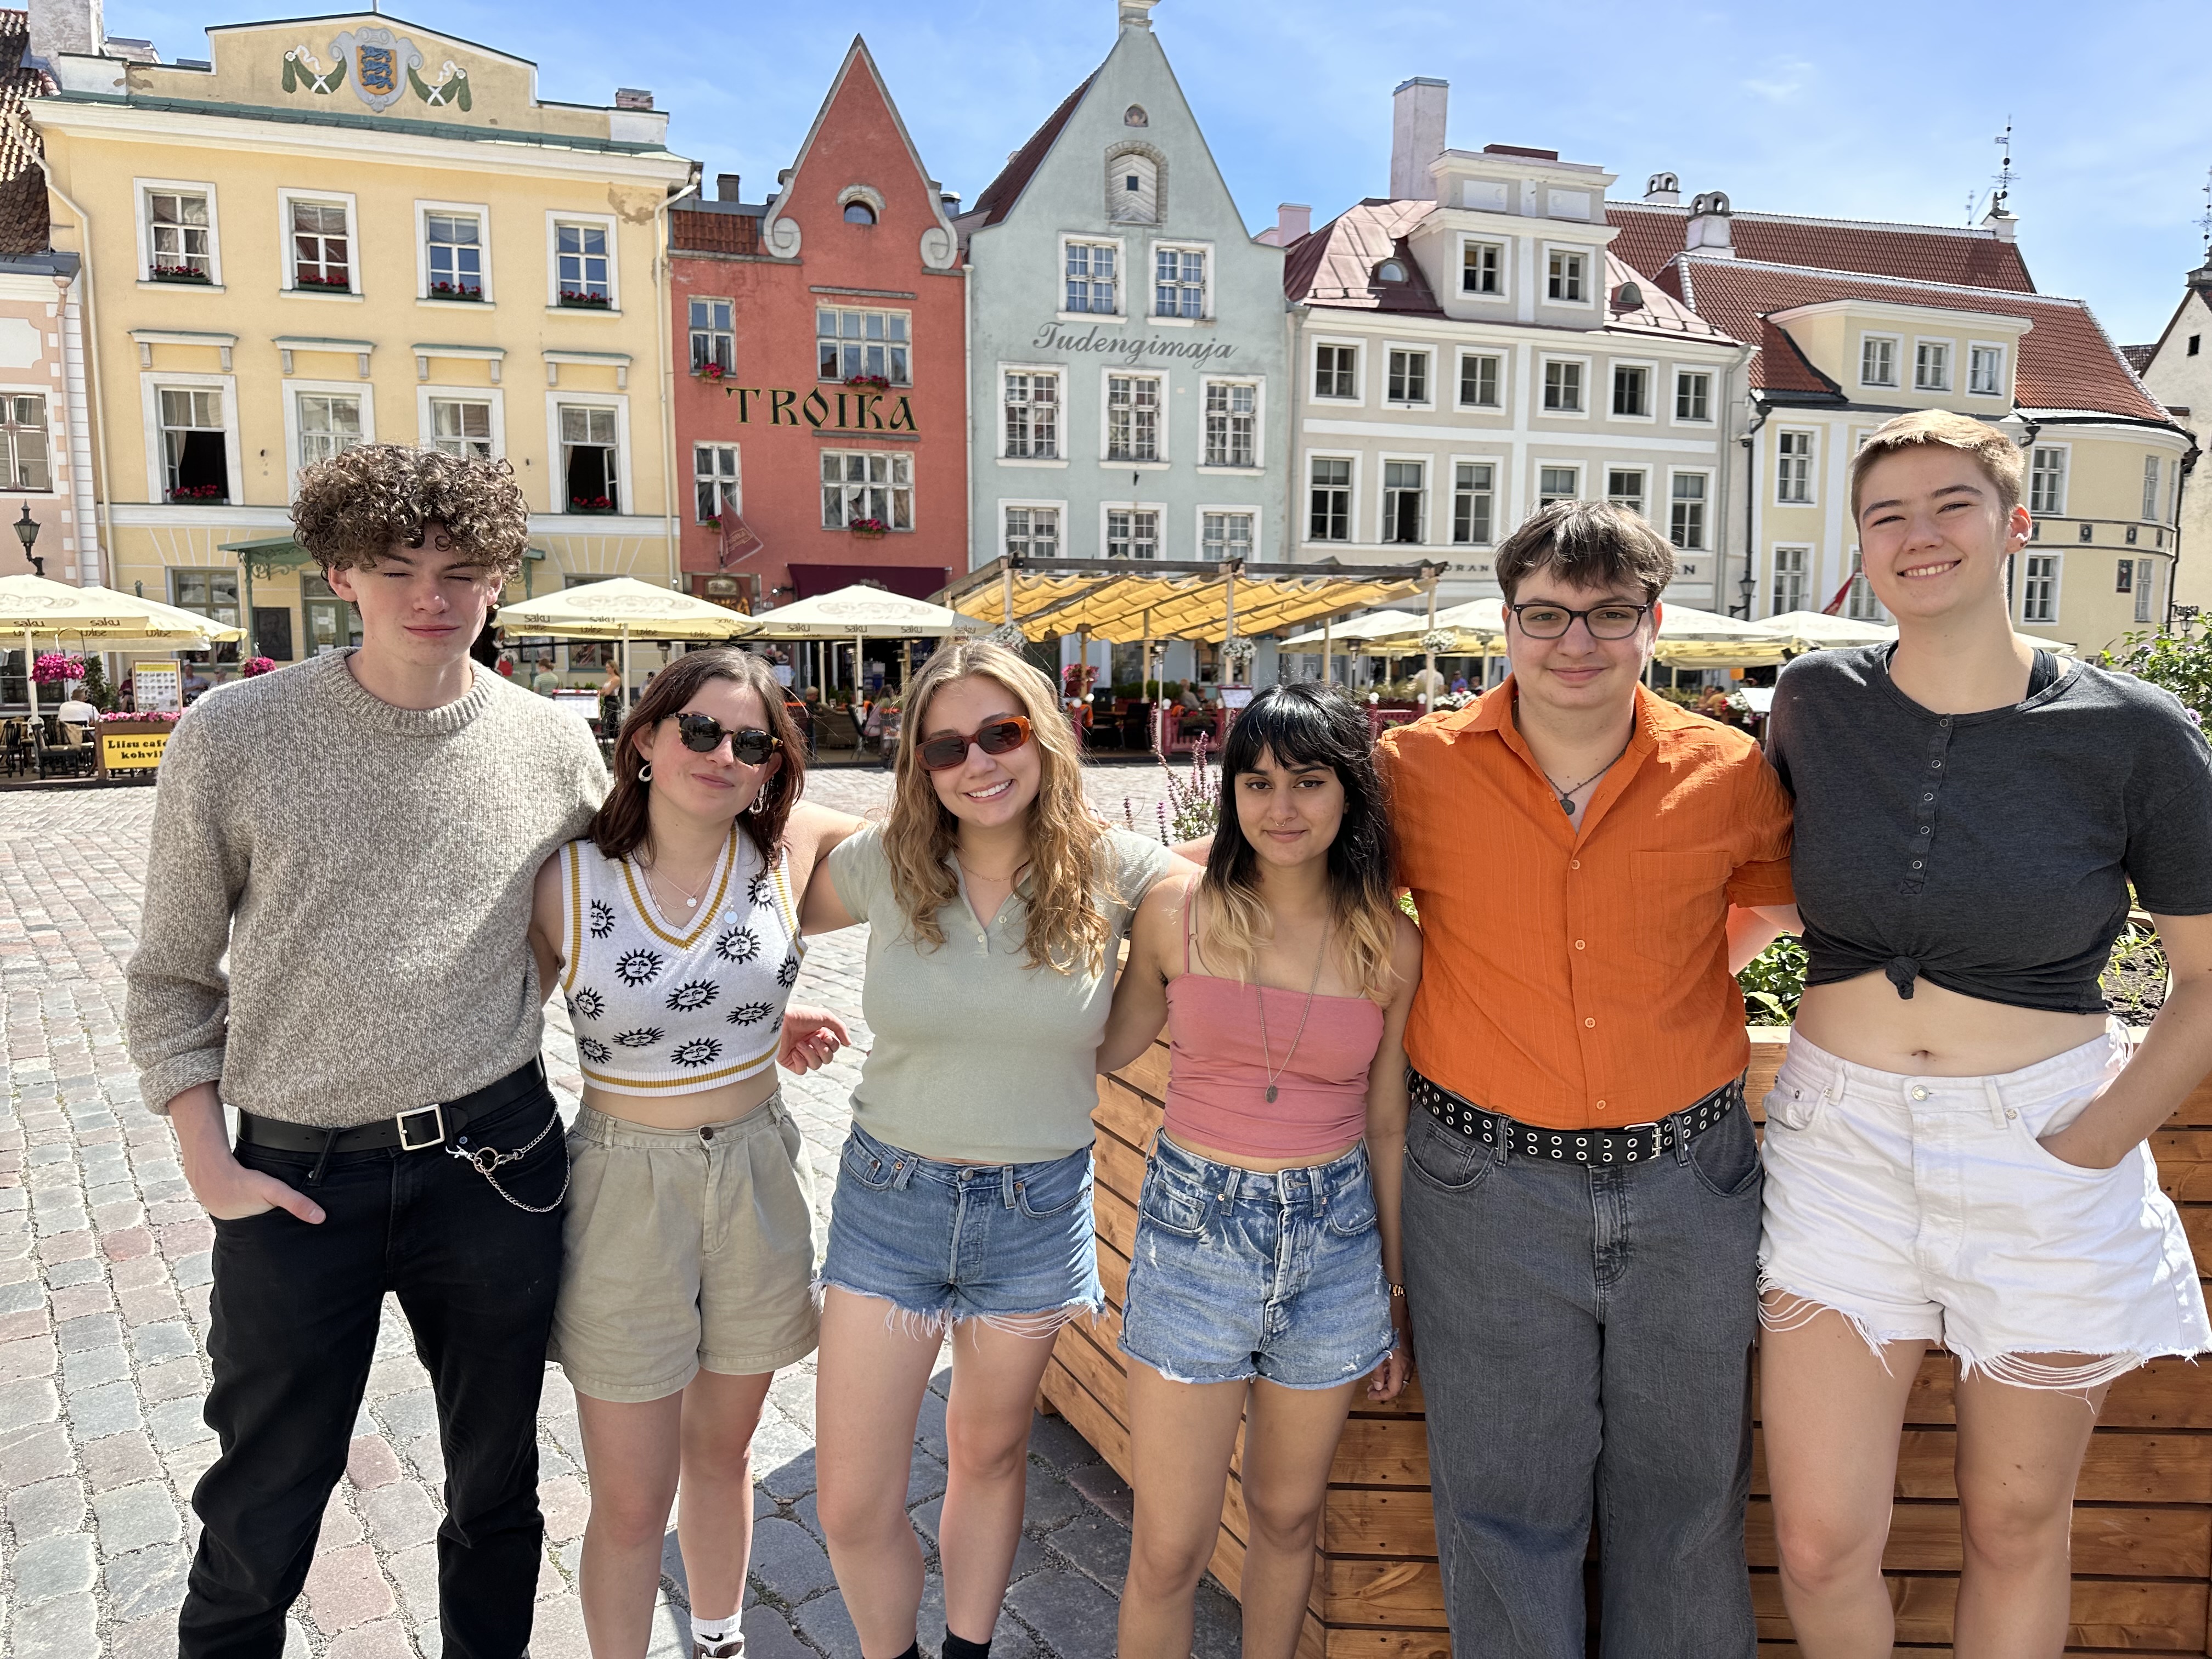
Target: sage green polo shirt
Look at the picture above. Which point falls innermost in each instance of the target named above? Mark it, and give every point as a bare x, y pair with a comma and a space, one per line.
979, 1057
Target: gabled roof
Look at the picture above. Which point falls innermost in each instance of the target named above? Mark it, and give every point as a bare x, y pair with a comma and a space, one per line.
1651, 235
24, 226
2066, 360
999, 195
2199, 295
1333, 267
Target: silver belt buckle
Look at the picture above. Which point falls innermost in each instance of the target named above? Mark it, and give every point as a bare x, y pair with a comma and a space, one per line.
1638, 1128
438, 1121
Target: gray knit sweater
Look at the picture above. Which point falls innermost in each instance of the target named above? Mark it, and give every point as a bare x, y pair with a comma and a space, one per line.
368, 871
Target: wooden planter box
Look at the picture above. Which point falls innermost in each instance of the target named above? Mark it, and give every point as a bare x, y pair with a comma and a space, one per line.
2142, 1519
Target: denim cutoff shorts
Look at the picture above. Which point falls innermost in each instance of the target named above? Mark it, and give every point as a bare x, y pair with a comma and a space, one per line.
1237, 1274
1010, 1244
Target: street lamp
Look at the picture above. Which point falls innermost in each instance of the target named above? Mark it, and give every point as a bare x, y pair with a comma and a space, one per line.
26, 532
1747, 585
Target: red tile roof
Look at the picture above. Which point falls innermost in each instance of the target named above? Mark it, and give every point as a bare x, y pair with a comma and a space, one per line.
2066, 360
1651, 235
690, 231
999, 195
24, 226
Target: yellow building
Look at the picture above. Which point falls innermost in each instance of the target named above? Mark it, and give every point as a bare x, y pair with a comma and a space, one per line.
350, 229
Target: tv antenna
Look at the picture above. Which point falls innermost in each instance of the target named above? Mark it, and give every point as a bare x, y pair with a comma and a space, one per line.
2005, 175
2204, 219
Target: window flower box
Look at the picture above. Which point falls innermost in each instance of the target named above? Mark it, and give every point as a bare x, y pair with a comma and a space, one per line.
578, 301
201, 494
869, 529
868, 382
179, 274
322, 284
151, 719
457, 291
708, 372
712, 521
591, 504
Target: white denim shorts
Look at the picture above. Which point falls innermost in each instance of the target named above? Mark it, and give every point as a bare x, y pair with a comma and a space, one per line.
1922, 1208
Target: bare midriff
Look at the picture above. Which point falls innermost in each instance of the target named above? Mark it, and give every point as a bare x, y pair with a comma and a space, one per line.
1259, 1165
1934, 1032
725, 1104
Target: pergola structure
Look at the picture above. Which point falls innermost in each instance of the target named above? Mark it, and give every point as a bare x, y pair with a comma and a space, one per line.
271, 556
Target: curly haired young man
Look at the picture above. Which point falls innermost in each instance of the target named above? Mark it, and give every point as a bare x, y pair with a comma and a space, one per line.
360, 833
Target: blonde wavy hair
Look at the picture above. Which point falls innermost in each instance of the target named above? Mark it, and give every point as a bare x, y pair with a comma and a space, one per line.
1068, 859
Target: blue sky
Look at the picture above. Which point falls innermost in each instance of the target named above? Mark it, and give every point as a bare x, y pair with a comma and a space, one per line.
1787, 109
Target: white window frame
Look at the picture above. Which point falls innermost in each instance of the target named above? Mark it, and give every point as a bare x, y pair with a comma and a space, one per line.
1198, 525
1360, 354
2065, 453
1650, 416
1153, 249
141, 188
1949, 349
1678, 373
2146, 590
1499, 356
1811, 460
1498, 464
1804, 577
1710, 524
1259, 384
1588, 256
1017, 503
482, 213
1121, 312
1158, 508
556, 476
1160, 450
58, 482
289, 269
737, 482
2057, 580
1642, 506
1536, 480
358, 391
893, 453
150, 387
1504, 268
425, 430
1428, 349
2004, 357
612, 225
690, 332
829, 302
1896, 343
2153, 486
1351, 497
1544, 362
1060, 370
1427, 462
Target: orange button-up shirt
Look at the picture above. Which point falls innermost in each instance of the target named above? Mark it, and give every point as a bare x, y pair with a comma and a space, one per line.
1573, 978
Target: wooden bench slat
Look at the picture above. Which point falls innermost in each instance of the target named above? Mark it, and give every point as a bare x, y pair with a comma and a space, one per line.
2120, 1543
2107, 1612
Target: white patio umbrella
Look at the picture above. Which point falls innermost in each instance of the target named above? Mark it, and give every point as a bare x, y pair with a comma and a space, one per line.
623, 608
1812, 630
862, 612
40, 609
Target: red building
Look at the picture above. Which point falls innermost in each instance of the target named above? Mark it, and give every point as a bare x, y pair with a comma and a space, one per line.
821, 391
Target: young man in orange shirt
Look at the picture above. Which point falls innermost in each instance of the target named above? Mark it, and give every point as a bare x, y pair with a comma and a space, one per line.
1581, 1207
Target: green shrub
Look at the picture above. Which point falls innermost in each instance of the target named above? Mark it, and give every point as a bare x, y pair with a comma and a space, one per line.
1772, 981
2179, 658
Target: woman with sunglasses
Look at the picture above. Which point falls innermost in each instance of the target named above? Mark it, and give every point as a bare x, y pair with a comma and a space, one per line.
996, 900
1264, 1283
672, 932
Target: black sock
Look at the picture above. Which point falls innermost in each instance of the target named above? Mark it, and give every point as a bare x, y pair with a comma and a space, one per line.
913, 1649
959, 1647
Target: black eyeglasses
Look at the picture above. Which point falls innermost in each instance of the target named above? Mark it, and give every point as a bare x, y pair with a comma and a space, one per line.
703, 734
1539, 621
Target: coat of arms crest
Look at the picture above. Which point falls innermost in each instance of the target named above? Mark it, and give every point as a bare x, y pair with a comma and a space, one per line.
380, 63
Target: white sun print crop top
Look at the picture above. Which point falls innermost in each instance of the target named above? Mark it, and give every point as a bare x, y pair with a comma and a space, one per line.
674, 1007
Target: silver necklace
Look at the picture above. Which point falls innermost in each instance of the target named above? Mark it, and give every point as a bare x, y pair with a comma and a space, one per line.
690, 899
1261, 992
1567, 795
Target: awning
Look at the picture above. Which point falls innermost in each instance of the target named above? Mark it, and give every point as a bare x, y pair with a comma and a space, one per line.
914, 582
269, 555
1125, 600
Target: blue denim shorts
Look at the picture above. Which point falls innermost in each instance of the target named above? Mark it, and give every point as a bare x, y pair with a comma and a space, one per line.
1237, 1274
1010, 1244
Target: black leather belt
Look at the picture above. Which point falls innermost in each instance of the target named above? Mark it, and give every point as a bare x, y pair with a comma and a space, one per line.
417, 1130
1638, 1142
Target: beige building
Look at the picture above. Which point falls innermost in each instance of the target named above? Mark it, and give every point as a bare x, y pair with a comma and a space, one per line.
2177, 370
349, 229
1856, 322
1470, 349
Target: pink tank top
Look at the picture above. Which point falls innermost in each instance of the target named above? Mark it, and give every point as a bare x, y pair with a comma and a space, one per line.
1218, 1074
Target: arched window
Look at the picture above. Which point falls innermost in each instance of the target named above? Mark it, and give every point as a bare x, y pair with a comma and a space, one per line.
1390, 271
860, 213
1134, 116
1132, 189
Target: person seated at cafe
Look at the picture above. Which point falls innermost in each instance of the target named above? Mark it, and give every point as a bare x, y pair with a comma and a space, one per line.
76, 711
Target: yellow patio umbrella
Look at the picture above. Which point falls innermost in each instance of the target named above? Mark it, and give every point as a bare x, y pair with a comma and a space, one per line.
41, 609
625, 609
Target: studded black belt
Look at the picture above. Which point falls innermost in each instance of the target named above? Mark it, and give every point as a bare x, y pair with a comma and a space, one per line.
1636, 1143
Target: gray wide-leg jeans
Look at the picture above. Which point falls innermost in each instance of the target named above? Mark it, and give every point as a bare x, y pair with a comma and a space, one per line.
1585, 1341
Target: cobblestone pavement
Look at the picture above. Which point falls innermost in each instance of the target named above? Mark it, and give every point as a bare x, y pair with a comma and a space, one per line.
103, 1317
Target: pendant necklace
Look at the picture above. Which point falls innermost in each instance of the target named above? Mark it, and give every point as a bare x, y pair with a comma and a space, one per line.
1567, 795
690, 899
1261, 992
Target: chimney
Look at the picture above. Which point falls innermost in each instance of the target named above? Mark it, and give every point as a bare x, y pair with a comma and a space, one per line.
949, 200
1709, 231
633, 97
58, 26
725, 187
1135, 14
1417, 136
1664, 190
1292, 220
2002, 219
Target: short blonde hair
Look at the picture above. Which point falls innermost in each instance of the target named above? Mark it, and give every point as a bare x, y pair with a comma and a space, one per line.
1996, 455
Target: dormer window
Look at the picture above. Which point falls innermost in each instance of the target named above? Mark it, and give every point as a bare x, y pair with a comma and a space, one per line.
860, 213
1390, 271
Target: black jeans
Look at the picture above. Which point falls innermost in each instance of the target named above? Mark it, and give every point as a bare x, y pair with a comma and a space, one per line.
1584, 1339
294, 1317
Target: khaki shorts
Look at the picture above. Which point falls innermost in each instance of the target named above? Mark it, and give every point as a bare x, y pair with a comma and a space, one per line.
687, 1251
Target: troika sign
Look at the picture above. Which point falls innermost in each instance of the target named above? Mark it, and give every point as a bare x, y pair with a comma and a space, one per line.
841, 411
1054, 336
